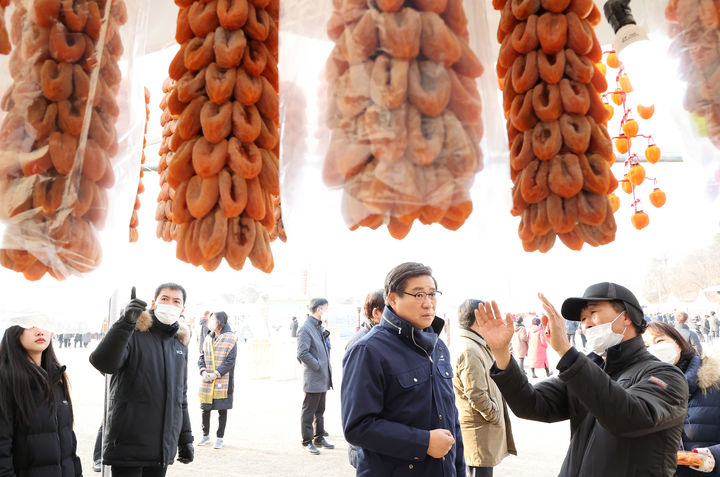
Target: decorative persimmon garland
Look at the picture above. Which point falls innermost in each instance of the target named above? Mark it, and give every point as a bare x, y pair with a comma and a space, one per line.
634, 172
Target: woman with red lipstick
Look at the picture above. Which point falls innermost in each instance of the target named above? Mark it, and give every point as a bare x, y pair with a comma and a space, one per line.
36, 418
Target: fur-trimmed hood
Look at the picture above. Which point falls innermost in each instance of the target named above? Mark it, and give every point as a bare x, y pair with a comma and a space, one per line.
709, 373
145, 322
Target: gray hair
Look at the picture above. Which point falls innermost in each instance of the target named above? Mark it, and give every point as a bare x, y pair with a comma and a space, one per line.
466, 312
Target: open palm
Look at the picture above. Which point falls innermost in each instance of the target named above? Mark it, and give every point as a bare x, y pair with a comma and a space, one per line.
496, 331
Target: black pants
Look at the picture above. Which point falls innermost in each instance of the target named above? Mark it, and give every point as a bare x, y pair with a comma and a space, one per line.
97, 450
118, 471
222, 420
313, 409
479, 471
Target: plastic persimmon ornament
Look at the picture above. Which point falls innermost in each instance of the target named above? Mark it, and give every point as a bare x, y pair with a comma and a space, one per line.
646, 112
630, 128
657, 197
640, 220
652, 154
622, 144
614, 202
636, 174
617, 96
612, 60
601, 68
625, 84
626, 185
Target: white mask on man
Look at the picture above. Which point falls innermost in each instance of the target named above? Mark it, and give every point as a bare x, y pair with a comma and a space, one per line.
602, 337
168, 314
666, 352
212, 324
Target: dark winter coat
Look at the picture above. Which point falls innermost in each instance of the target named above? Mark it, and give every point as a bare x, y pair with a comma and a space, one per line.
147, 410
702, 425
625, 415
227, 366
397, 386
46, 447
313, 353
364, 329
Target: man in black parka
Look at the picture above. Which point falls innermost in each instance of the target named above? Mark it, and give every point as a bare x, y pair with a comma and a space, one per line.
626, 408
146, 352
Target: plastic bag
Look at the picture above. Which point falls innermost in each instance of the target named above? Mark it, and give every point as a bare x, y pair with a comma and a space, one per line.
219, 165
400, 110
694, 27
560, 149
68, 166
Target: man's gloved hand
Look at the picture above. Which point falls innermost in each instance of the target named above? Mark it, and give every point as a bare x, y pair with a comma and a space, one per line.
134, 308
709, 461
208, 377
186, 453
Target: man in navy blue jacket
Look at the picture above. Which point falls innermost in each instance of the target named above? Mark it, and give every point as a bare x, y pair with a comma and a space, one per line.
398, 403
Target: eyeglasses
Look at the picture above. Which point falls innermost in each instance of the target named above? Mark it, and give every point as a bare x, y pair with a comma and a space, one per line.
420, 296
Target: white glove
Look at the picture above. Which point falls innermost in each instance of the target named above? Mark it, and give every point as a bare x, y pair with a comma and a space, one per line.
208, 377
705, 454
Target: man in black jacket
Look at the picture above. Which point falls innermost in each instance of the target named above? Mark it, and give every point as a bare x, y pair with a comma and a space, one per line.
146, 353
625, 407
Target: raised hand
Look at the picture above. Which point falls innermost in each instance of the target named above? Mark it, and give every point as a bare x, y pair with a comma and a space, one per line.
556, 327
134, 308
497, 332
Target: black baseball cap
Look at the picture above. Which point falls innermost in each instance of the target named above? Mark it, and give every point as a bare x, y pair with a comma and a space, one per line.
605, 291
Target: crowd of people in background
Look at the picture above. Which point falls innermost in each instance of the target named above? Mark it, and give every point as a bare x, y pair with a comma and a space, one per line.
77, 340
625, 380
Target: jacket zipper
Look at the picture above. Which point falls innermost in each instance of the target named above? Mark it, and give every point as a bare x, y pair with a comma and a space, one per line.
412, 335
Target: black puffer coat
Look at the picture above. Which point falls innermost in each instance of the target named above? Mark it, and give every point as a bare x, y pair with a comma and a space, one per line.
625, 415
147, 409
46, 447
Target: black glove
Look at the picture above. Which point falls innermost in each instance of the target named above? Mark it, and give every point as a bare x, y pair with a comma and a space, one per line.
134, 309
186, 453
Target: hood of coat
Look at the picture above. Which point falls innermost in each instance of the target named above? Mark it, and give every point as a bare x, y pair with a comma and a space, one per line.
709, 373
145, 322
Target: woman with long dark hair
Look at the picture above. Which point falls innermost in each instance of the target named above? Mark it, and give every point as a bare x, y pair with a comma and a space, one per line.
36, 417
701, 431
217, 368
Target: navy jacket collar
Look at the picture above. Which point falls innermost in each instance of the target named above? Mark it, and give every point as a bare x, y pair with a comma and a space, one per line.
692, 373
425, 339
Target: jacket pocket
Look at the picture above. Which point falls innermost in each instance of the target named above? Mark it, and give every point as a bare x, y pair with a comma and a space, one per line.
413, 378
445, 370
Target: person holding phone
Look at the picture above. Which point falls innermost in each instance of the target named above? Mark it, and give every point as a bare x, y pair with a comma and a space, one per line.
146, 352
626, 408
36, 415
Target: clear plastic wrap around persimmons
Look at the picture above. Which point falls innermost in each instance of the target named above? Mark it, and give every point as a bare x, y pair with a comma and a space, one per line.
405, 113
66, 126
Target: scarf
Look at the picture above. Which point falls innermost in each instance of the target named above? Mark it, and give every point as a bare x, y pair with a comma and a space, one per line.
216, 351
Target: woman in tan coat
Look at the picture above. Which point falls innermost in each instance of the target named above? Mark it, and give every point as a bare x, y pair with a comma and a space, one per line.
484, 420
520, 342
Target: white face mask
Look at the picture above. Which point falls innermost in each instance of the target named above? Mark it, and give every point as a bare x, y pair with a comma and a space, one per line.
602, 337
212, 324
666, 352
167, 314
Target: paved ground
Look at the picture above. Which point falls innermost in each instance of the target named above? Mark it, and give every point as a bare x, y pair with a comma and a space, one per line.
262, 436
